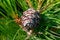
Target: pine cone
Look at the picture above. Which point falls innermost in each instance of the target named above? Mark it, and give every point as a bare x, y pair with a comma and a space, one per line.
30, 18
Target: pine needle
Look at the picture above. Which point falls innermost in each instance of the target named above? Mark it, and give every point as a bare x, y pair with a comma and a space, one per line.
29, 3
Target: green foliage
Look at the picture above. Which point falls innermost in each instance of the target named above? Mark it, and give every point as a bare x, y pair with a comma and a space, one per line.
49, 27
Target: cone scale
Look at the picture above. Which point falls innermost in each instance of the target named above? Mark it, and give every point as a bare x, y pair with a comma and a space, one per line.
30, 18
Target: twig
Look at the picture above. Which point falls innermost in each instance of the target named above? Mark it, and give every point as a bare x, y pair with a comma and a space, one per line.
29, 34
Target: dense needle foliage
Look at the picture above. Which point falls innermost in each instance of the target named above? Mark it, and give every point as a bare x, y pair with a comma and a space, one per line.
49, 28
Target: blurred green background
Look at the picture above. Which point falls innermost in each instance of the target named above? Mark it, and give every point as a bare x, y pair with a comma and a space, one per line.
49, 24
